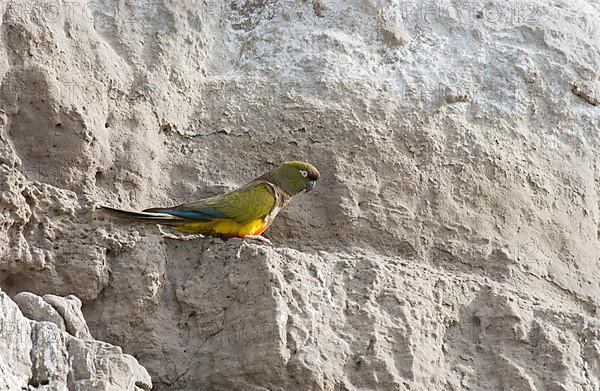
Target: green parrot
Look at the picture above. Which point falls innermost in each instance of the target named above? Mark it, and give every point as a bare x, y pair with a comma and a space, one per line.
245, 212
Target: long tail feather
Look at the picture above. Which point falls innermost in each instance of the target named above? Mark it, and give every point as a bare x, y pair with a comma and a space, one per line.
144, 217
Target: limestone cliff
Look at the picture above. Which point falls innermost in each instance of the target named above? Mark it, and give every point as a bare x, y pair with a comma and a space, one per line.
452, 243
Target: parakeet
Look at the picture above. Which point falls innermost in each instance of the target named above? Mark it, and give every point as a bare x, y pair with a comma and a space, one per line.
245, 212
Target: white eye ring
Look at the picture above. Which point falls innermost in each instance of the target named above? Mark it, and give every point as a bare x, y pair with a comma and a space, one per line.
304, 173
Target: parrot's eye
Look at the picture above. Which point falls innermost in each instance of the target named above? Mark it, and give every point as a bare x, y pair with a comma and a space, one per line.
304, 173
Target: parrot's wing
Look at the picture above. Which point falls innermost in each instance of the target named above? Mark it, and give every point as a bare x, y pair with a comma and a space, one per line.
251, 202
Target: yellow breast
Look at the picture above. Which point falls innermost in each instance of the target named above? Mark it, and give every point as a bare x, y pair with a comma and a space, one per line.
223, 227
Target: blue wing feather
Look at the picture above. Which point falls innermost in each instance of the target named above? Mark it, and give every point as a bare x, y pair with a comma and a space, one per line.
204, 214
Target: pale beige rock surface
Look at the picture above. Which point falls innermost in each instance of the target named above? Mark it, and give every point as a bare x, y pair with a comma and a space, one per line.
39, 355
35, 308
15, 345
453, 242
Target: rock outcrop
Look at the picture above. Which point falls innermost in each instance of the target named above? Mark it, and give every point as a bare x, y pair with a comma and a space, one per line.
38, 354
452, 243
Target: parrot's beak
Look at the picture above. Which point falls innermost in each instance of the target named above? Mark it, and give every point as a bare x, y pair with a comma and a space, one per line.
310, 185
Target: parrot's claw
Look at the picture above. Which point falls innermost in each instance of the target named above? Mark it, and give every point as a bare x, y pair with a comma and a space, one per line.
260, 238
169, 235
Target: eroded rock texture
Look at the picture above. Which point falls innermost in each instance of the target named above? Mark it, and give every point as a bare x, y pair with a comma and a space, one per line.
453, 242
37, 353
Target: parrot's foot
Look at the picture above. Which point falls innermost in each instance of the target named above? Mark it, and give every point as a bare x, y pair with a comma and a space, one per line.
169, 235
260, 238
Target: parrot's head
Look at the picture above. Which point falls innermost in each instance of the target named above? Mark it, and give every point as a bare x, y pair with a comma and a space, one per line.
293, 177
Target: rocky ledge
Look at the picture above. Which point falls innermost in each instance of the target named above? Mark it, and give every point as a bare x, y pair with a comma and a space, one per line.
46, 345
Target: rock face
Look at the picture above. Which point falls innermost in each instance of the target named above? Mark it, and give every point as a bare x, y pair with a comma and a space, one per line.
453, 242
37, 354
